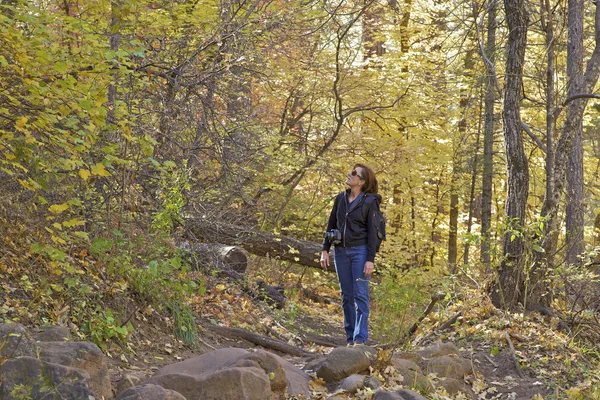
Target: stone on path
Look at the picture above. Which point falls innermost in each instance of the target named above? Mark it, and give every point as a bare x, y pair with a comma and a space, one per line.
343, 362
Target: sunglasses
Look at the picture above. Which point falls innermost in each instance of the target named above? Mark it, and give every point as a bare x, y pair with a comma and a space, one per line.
355, 173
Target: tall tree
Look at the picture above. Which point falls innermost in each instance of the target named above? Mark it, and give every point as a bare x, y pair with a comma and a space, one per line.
488, 136
509, 289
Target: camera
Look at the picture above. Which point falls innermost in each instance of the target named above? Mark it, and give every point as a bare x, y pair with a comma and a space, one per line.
334, 236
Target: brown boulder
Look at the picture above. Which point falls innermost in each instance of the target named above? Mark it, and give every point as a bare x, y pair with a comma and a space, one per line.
81, 355
149, 392
237, 383
53, 334
15, 341
343, 362
412, 374
30, 378
450, 367
283, 376
127, 381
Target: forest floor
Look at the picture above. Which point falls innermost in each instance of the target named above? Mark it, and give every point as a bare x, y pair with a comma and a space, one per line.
550, 365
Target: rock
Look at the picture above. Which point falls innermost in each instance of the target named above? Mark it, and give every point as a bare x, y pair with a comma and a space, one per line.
53, 334
412, 374
269, 364
454, 386
450, 367
30, 378
128, 381
343, 362
402, 394
353, 383
313, 364
15, 341
281, 374
438, 350
373, 383
149, 392
408, 356
237, 383
81, 355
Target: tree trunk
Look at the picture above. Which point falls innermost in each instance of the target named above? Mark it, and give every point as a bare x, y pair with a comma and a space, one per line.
575, 206
256, 242
509, 289
574, 174
577, 84
548, 27
488, 141
453, 230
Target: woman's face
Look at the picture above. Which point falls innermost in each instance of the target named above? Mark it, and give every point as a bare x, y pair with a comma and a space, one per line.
355, 177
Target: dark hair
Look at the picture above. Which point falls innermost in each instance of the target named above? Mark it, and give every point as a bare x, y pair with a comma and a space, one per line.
367, 175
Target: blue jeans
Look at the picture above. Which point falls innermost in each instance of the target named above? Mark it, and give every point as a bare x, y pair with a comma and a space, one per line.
349, 266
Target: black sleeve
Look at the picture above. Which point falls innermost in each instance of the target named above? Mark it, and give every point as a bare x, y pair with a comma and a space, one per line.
332, 224
371, 230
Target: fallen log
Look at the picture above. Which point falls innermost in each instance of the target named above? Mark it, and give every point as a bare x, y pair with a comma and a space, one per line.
232, 258
257, 242
261, 340
231, 262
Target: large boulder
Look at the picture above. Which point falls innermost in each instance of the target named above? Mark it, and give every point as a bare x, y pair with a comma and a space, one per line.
237, 383
412, 374
149, 392
343, 362
84, 356
353, 383
127, 381
282, 375
15, 341
53, 334
30, 378
450, 367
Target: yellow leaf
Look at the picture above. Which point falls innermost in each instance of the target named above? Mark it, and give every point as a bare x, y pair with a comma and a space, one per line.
20, 123
99, 170
73, 222
58, 208
84, 174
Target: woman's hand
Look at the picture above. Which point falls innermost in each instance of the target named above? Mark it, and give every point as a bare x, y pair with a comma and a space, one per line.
325, 259
369, 266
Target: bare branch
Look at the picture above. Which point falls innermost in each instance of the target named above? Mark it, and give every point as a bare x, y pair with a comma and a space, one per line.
532, 135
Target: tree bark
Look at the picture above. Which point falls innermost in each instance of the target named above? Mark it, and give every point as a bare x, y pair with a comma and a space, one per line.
488, 141
575, 207
509, 288
453, 230
578, 84
574, 175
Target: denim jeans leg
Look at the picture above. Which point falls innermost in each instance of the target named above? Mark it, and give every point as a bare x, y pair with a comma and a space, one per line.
343, 268
358, 256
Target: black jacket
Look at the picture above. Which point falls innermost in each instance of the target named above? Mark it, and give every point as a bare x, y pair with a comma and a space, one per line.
358, 225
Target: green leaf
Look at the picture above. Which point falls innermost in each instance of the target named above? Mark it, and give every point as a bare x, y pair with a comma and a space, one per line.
37, 247
538, 248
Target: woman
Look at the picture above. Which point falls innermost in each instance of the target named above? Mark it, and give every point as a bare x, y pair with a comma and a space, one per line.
353, 215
